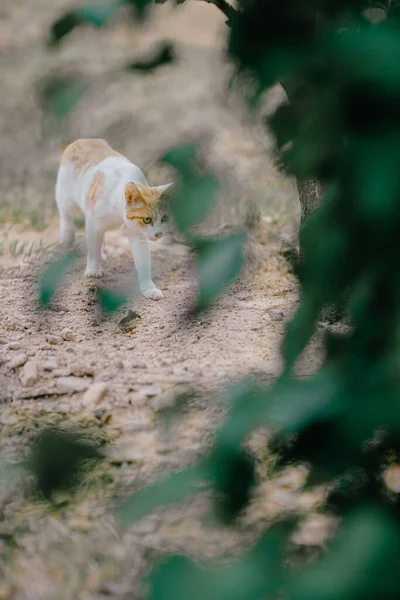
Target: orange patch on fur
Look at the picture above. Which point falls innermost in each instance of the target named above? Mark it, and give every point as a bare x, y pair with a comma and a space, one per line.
141, 201
96, 188
85, 154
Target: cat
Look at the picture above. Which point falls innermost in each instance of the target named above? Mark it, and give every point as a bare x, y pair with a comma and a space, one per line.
111, 191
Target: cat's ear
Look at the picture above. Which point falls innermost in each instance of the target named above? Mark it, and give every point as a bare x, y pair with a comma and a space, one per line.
132, 194
164, 188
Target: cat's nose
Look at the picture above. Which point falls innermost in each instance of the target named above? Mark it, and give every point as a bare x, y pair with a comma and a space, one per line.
158, 235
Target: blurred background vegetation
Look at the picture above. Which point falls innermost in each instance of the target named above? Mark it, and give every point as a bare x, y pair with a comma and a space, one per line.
337, 137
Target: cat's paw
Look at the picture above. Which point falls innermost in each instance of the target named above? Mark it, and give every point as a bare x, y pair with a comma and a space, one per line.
152, 293
91, 272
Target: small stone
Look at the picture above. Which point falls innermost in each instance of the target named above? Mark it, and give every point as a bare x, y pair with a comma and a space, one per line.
18, 361
79, 370
54, 339
95, 394
29, 374
70, 385
3, 341
163, 401
150, 392
14, 346
50, 365
135, 364
67, 335
391, 477
275, 314
63, 372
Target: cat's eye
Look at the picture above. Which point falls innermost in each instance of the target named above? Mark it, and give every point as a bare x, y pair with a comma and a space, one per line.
164, 218
147, 220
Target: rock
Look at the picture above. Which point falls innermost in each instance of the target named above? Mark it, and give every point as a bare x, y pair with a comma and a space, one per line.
14, 346
95, 394
71, 385
67, 335
134, 364
391, 477
150, 392
164, 400
79, 370
29, 374
54, 339
3, 341
50, 365
18, 361
63, 372
276, 314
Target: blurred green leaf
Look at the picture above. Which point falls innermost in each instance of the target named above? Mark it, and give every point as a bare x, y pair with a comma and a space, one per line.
232, 471
110, 301
59, 94
362, 562
57, 458
255, 576
53, 276
218, 263
171, 490
164, 55
194, 198
62, 27
96, 13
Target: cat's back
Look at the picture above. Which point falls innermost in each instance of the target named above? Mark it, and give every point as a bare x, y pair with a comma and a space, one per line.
84, 154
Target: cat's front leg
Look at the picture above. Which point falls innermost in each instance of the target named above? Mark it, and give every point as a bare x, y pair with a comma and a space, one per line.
141, 256
94, 239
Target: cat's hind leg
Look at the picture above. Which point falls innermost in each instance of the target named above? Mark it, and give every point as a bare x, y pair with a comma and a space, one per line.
66, 205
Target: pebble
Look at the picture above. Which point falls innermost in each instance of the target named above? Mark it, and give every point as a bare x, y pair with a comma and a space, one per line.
151, 391
79, 370
96, 393
164, 400
276, 314
54, 339
135, 364
67, 335
18, 361
3, 341
50, 365
63, 372
14, 346
29, 374
70, 385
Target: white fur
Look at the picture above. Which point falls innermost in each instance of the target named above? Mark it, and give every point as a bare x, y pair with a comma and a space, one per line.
109, 212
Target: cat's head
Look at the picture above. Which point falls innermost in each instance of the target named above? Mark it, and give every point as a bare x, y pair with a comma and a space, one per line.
143, 208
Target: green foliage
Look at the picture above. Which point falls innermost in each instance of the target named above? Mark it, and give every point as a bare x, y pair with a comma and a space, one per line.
57, 459
256, 575
171, 490
342, 127
218, 261
109, 300
97, 14
53, 276
195, 197
60, 93
164, 55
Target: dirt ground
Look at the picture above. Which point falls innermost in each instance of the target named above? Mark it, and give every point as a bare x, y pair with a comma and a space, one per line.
73, 549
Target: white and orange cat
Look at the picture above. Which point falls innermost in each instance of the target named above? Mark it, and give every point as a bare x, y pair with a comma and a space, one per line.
111, 191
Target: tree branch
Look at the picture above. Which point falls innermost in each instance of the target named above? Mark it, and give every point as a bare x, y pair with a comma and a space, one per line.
225, 7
